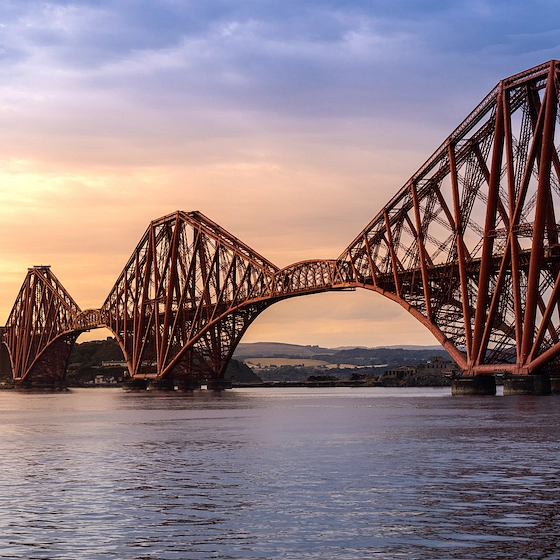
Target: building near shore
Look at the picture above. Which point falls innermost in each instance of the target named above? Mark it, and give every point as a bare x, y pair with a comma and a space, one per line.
437, 371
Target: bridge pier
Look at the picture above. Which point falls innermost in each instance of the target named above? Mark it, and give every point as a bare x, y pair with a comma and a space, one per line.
164, 384
167, 384
528, 385
218, 384
555, 384
41, 385
133, 384
474, 385
187, 384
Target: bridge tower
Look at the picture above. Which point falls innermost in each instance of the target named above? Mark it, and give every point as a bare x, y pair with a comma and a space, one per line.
40, 331
469, 246
184, 299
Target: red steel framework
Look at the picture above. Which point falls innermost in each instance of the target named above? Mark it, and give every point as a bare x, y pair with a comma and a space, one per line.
469, 246
185, 298
42, 327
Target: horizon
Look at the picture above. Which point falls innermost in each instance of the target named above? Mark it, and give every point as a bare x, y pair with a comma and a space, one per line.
401, 346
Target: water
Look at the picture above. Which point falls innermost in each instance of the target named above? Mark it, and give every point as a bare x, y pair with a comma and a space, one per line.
279, 473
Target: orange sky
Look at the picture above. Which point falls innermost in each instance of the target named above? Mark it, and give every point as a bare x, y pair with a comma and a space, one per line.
289, 127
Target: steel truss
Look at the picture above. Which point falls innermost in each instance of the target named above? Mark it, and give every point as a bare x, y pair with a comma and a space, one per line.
469, 246
185, 298
40, 330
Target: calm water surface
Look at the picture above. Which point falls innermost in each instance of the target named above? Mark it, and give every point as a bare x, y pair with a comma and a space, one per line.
279, 473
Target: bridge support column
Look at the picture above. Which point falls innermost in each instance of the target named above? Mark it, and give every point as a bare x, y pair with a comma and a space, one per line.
474, 385
218, 384
41, 385
164, 384
555, 384
187, 384
134, 384
527, 385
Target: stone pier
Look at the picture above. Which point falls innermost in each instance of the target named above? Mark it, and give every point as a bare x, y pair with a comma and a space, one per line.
218, 384
187, 384
41, 385
164, 384
555, 384
474, 385
527, 385
135, 384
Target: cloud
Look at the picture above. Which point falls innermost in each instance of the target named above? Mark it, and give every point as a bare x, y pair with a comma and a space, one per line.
218, 66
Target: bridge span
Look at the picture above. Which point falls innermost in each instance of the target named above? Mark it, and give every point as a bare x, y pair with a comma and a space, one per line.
469, 246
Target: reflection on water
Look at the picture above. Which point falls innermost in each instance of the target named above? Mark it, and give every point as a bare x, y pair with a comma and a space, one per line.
279, 473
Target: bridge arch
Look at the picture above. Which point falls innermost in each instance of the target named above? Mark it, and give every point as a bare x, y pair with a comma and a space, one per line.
350, 317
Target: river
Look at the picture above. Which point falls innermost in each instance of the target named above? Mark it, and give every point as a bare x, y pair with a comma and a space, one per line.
290, 473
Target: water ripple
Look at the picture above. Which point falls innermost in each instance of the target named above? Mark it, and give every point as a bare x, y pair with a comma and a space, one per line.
291, 474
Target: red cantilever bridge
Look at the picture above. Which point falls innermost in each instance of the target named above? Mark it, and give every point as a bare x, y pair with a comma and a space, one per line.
469, 246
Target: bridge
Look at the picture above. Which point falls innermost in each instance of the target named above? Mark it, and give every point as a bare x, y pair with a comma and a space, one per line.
469, 247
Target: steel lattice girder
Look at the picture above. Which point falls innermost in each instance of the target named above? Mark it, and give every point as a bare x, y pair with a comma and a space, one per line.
470, 244
40, 330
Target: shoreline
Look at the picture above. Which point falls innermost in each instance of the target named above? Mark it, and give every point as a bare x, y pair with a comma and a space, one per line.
264, 385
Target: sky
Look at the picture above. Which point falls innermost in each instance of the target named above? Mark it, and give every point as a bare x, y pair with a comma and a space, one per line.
289, 122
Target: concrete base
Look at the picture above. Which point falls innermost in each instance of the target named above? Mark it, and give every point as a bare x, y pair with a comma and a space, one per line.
218, 384
527, 385
555, 384
135, 385
161, 385
58, 385
475, 385
187, 384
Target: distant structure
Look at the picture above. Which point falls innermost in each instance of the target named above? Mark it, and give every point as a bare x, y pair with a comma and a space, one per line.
439, 367
469, 246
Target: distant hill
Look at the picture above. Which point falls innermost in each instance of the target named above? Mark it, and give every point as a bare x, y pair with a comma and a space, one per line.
96, 351
277, 349
434, 347
88, 356
280, 349
275, 361
238, 372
